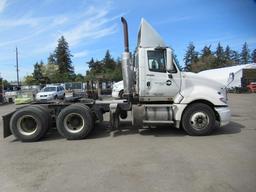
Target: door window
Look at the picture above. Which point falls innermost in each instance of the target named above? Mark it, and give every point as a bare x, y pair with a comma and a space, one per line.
157, 60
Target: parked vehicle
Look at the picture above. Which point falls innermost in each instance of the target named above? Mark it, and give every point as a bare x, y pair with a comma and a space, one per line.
51, 92
118, 90
252, 87
156, 92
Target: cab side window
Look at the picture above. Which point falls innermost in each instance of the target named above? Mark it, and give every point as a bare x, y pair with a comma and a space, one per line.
157, 60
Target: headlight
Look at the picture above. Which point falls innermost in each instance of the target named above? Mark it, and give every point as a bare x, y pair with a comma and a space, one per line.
223, 94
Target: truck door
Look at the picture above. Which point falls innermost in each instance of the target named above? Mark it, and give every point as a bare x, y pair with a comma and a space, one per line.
159, 85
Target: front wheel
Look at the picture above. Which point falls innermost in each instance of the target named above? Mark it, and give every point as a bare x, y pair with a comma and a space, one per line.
198, 119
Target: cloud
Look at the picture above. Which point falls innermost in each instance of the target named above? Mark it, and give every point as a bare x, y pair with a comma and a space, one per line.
3, 5
18, 22
39, 26
89, 26
80, 54
95, 24
34, 21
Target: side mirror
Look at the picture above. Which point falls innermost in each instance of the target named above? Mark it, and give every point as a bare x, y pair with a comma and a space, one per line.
230, 78
169, 63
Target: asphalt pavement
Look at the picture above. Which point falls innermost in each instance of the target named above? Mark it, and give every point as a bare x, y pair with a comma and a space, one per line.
159, 159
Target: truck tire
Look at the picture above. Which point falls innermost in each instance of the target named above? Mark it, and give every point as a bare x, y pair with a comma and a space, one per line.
198, 119
28, 124
46, 112
75, 122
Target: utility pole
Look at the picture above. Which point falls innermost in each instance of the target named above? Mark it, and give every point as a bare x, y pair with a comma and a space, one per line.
17, 67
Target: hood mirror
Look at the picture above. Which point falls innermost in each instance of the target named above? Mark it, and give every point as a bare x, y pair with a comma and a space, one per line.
230, 78
169, 63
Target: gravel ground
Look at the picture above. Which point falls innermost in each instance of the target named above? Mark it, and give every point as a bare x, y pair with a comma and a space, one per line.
162, 159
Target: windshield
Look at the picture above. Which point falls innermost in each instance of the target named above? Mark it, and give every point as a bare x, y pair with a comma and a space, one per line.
48, 89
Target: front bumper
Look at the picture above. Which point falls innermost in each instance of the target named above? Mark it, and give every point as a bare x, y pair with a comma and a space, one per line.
224, 114
44, 98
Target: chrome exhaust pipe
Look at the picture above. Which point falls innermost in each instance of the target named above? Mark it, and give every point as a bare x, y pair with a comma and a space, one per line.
126, 37
127, 68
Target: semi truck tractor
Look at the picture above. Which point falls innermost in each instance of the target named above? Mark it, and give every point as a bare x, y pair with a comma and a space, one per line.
156, 92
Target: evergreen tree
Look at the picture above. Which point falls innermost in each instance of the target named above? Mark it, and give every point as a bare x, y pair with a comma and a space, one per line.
52, 59
37, 74
108, 61
117, 73
206, 51
234, 56
228, 54
220, 57
205, 61
253, 56
245, 54
63, 58
91, 63
190, 57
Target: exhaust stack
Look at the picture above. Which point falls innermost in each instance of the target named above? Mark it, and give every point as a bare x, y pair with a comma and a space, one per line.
127, 68
126, 37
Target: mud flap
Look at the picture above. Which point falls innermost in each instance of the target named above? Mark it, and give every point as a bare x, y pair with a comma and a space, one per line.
6, 124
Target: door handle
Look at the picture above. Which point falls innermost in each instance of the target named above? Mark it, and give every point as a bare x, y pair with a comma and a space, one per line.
170, 76
148, 83
168, 82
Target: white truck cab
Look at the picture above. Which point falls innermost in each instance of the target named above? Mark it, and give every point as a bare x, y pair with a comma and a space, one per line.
167, 95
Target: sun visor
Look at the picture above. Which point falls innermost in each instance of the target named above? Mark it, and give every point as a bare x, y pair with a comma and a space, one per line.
148, 37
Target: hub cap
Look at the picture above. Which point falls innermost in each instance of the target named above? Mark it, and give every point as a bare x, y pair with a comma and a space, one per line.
73, 122
199, 120
27, 125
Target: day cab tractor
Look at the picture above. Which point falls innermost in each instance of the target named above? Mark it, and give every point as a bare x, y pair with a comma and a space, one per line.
156, 92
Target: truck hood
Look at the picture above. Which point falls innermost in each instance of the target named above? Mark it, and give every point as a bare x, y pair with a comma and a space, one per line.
196, 78
195, 86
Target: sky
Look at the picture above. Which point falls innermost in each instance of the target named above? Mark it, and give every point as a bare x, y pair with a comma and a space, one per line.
93, 26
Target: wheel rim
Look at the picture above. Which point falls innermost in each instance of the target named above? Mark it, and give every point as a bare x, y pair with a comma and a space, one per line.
199, 120
27, 125
73, 122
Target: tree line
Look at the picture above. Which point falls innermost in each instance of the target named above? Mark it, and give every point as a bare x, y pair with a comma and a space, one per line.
59, 68
207, 59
